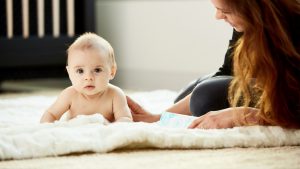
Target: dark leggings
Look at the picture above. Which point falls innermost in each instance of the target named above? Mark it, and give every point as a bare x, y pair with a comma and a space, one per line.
208, 94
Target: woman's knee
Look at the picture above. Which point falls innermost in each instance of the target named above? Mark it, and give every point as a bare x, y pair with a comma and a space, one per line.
210, 95
190, 87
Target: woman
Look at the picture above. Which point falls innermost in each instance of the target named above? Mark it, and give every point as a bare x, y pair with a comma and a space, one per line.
265, 64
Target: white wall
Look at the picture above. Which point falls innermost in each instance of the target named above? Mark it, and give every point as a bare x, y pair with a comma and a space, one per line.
162, 43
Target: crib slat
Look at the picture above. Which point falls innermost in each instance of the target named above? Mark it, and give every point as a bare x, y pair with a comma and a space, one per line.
70, 18
25, 17
55, 13
41, 18
9, 13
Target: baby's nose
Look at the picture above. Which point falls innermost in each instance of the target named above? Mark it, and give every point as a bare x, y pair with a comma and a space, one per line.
88, 76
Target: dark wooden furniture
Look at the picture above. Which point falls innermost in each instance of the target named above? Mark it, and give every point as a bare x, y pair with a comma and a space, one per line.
35, 56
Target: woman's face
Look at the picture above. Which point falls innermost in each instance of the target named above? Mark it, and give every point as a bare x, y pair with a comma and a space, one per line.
224, 12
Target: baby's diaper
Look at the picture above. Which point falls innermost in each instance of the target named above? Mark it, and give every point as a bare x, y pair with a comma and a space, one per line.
174, 120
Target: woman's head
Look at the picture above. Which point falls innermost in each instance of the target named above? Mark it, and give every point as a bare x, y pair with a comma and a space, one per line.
225, 12
250, 15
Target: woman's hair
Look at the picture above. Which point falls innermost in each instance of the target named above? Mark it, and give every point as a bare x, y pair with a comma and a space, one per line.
91, 41
268, 53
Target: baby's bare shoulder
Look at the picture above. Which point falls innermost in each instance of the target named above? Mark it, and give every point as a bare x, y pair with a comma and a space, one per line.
115, 90
69, 92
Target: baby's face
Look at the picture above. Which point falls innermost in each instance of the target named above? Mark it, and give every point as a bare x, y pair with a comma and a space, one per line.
89, 71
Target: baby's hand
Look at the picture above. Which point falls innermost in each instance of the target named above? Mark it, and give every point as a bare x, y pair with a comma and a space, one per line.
47, 117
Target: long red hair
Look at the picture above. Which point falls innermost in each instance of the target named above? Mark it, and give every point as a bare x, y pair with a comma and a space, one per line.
268, 52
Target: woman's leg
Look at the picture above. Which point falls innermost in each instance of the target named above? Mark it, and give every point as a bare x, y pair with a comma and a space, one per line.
210, 95
190, 87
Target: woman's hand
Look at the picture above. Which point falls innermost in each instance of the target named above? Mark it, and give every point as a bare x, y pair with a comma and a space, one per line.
139, 113
226, 118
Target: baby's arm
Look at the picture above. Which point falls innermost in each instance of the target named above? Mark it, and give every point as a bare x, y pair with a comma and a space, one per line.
59, 107
120, 107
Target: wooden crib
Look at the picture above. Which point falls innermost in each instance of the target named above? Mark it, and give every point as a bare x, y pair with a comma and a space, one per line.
34, 35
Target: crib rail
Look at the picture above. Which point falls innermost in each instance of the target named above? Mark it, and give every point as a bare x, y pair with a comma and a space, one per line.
25, 18
34, 35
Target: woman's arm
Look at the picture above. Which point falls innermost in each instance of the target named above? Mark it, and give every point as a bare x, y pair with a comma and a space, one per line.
228, 118
182, 106
140, 114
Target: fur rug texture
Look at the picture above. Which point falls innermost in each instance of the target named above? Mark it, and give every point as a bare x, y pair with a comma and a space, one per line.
22, 137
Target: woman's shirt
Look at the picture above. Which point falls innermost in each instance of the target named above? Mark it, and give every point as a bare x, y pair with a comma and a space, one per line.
227, 67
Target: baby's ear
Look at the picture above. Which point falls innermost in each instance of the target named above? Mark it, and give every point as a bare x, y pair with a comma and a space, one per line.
67, 68
113, 72
68, 71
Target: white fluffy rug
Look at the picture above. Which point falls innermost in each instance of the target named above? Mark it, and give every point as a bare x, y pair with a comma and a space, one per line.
21, 135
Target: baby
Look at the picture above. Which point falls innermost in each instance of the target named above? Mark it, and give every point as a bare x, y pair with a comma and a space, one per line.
90, 66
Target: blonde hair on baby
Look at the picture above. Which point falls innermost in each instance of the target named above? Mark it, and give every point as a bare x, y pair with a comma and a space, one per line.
90, 40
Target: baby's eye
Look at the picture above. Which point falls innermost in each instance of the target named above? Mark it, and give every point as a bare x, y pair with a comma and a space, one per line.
79, 71
98, 70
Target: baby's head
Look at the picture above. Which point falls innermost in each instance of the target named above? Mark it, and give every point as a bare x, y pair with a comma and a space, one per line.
91, 41
91, 63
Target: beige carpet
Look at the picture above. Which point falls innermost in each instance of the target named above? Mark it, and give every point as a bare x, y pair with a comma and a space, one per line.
233, 158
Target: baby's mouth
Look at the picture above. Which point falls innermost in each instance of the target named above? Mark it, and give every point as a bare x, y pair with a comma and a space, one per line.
89, 87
